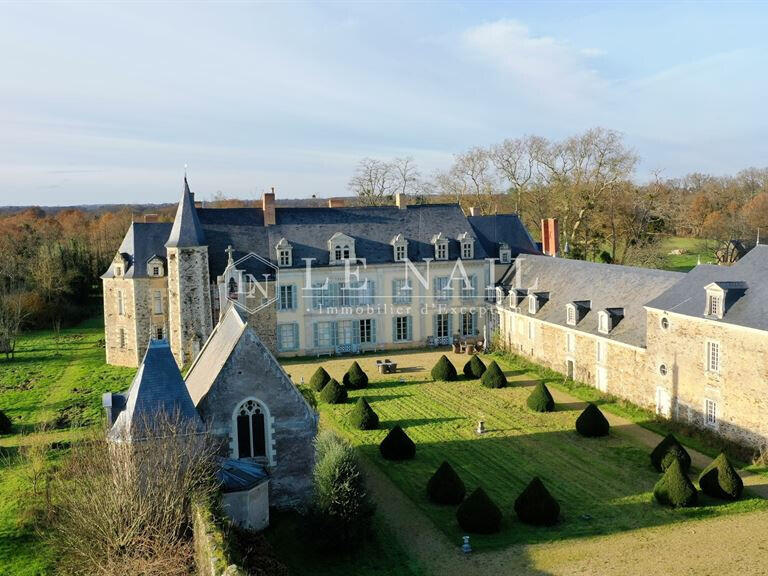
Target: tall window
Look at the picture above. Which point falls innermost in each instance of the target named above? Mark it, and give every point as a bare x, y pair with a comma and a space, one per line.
232, 288
346, 252
338, 252
367, 334
471, 292
400, 252
600, 352
442, 326
402, 328
710, 412
251, 430
159, 333
570, 342
120, 303
713, 356
399, 294
467, 324
288, 337
531, 332
121, 337
602, 323
324, 334
714, 305
532, 304
287, 297
443, 288
157, 300
570, 315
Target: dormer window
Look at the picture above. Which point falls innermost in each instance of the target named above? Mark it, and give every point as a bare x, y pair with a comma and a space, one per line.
400, 248
467, 244
118, 270
441, 247
603, 322
505, 254
284, 253
576, 310
721, 296
533, 304
570, 314
715, 305
341, 248
155, 267
120, 263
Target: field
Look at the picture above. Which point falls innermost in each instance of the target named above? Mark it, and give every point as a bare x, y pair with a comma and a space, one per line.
694, 248
603, 485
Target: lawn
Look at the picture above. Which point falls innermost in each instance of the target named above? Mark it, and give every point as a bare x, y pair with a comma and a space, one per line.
694, 249
603, 485
55, 383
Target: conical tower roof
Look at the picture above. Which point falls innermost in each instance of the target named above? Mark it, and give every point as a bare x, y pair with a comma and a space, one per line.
187, 230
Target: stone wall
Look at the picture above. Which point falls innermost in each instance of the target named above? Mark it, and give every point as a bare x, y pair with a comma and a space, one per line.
114, 322
211, 558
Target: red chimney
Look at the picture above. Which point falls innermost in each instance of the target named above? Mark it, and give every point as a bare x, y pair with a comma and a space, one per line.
336, 203
268, 207
550, 237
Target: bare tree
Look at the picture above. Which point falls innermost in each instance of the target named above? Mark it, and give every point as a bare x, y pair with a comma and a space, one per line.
374, 182
406, 174
515, 162
471, 180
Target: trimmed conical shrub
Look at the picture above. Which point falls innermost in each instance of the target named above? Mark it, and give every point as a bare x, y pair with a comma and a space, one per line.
5, 423
362, 416
474, 368
540, 400
675, 488
536, 505
479, 514
355, 378
668, 450
720, 479
493, 377
333, 393
319, 379
591, 422
397, 445
445, 486
444, 370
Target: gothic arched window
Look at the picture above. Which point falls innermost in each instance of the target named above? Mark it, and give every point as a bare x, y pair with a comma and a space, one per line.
251, 430
232, 287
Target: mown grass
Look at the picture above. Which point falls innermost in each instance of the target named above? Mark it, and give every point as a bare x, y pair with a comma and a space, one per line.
54, 383
603, 485
695, 249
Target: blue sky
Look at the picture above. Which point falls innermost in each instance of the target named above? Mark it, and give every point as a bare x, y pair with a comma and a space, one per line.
108, 102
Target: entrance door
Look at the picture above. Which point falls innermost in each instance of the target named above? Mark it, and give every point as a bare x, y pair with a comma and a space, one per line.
602, 379
569, 367
663, 402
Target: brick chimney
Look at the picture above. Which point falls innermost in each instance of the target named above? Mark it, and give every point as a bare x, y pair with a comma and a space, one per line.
472, 211
550, 237
401, 201
268, 207
150, 217
335, 202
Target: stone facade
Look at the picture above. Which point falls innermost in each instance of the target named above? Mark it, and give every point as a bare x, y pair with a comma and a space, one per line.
120, 323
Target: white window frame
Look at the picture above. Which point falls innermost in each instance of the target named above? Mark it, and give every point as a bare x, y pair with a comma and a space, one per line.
268, 430
286, 303
441, 251
157, 302
533, 306
402, 327
570, 342
366, 331
715, 305
467, 253
505, 255
284, 258
603, 322
600, 351
282, 331
711, 419
570, 315
714, 357
401, 251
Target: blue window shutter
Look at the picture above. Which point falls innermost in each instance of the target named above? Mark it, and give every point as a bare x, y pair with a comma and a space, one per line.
371, 291
394, 328
434, 325
334, 333
296, 336
293, 297
409, 325
373, 330
474, 322
356, 331
315, 330
450, 325
394, 291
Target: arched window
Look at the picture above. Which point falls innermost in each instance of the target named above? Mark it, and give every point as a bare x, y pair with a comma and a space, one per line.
232, 287
251, 428
346, 252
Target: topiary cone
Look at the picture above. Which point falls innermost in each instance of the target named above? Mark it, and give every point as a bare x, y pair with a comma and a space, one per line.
362, 416
675, 488
540, 400
333, 393
443, 370
667, 450
319, 379
479, 514
474, 368
397, 445
355, 378
445, 486
493, 377
591, 422
720, 479
536, 505
5, 423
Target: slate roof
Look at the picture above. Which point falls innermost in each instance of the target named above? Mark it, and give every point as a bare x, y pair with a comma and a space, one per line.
747, 284
493, 229
239, 475
186, 230
142, 241
603, 285
157, 388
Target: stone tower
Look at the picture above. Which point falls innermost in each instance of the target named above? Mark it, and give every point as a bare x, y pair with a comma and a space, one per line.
189, 293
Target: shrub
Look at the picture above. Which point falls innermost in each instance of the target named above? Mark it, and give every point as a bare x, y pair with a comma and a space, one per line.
342, 509
397, 445
591, 422
474, 368
666, 451
362, 416
444, 370
540, 400
333, 393
355, 378
479, 514
5, 423
445, 486
493, 377
675, 488
721, 480
319, 379
536, 505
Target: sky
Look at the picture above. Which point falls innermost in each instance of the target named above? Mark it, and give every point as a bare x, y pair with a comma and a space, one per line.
107, 102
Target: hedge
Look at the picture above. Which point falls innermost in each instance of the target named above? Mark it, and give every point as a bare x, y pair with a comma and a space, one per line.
444, 370
445, 486
362, 416
479, 514
540, 400
591, 422
536, 505
355, 378
720, 479
333, 393
319, 379
474, 368
666, 451
675, 488
494, 377
397, 445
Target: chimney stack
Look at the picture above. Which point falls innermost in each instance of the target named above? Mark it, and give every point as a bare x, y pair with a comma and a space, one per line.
472, 211
335, 202
550, 237
268, 207
401, 201
150, 217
